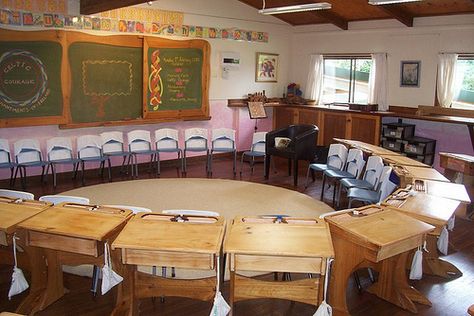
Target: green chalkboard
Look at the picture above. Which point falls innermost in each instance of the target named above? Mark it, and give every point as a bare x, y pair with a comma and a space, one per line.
106, 82
174, 81
30, 79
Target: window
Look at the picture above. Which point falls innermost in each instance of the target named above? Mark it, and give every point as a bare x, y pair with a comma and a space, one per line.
346, 79
464, 83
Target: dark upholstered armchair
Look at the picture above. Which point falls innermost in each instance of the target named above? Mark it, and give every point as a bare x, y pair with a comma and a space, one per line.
301, 147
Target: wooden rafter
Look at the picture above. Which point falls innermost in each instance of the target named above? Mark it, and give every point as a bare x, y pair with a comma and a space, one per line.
95, 6
398, 13
333, 18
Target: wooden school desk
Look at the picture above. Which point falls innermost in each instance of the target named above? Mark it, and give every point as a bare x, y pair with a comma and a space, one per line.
155, 239
379, 238
13, 212
294, 245
402, 161
366, 148
435, 211
408, 174
69, 234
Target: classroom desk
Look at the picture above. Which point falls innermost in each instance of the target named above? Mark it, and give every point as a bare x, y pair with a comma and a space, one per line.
379, 238
434, 210
295, 245
155, 239
368, 149
408, 174
69, 234
12, 213
401, 160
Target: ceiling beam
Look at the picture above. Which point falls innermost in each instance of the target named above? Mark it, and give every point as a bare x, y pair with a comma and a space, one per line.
333, 18
397, 13
96, 6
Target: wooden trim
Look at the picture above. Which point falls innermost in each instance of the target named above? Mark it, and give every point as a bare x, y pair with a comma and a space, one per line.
437, 110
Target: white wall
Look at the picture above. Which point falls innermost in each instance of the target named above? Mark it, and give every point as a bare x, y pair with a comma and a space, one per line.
423, 42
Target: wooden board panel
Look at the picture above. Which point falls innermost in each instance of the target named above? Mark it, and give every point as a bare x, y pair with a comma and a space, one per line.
11, 214
168, 259
63, 243
402, 161
277, 264
365, 128
334, 125
283, 117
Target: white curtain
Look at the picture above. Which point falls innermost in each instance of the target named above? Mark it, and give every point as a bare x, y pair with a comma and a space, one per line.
314, 84
378, 81
445, 86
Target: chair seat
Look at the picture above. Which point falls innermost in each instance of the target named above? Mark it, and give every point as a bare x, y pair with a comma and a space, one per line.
104, 158
7, 165
196, 149
169, 150
118, 154
65, 161
223, 150
363, 195
33, 164
356, 183
254, 153
337, 174
143, 152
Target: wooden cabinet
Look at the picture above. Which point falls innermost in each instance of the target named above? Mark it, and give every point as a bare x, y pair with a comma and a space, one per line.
365, 128
283, 116
334, 125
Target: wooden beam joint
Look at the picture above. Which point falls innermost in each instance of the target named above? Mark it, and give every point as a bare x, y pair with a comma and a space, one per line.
398, 13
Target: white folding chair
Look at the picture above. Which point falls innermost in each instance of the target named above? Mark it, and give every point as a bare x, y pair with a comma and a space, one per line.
17, 194
56, 199
195, 139
28, 154
89, 149
139, 143
167, 141
5, 159
59, 152
384, 189
257, 150
134, 209
112, 146
223, 141
337, 156
190, 212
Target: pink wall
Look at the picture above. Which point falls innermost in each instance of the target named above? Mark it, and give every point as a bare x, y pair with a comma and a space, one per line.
221, 116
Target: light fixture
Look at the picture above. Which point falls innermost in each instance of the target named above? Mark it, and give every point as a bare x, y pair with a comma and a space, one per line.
295, 8
382, 2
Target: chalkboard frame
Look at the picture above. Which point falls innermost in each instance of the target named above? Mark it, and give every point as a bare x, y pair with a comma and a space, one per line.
187, 114
40, 36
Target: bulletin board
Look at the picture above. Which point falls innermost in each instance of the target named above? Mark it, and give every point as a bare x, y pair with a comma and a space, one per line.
176, 79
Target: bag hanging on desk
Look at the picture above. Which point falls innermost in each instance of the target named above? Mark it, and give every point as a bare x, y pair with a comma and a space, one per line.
324, 308
109, 277
416, 271
19, 283
443, 241
451, 222
220, 306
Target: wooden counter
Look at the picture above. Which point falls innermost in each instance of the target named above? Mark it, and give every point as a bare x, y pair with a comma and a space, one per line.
380, 238
155, 239
68, 234
267, 245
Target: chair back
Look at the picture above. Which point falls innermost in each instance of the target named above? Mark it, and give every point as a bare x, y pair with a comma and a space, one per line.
4, 151
195, 138
89, 146
27, 151
337, 156
385, 187
59, 148
258, 142
56, 199
134, 209
166, 139
355, 162
373, 170
112, 142
17, 194
223, 138
139, 140
190, 212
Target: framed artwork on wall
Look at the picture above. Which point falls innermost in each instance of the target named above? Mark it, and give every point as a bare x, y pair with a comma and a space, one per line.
410, 73
266, 67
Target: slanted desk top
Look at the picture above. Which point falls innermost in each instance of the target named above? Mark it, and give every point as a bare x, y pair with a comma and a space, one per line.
402, 161
457, 162
77, 220
407, 174
369, 148
449, 190
14, 211
279, 239
155, 231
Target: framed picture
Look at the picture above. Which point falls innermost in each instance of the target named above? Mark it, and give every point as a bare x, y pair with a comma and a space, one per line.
410, 73
266, 67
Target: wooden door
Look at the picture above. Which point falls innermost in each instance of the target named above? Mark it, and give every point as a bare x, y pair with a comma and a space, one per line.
334, 125
365, 128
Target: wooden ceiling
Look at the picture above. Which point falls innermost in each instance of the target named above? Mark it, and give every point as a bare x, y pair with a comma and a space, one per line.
341, 13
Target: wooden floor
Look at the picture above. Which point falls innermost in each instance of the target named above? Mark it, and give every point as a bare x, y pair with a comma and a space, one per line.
449, 297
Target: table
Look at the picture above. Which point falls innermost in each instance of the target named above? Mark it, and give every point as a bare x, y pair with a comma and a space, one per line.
299, 245
401, 160
70, 234
380, 238
367, 148
156, 239
408, 174
433, 210
12, 213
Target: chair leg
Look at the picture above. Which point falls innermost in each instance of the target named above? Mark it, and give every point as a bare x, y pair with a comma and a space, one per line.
357, 280
235, 162
252, 165
14, 177
307, 177
53, 171
42, 174
350, 203
209, 169
82, 172
184, 162
110, 169
12, 183
322, 187
158, 169
336, 187
338, 202
241, 163
23, 177
267, 166
295, 172
75, 168
123, 165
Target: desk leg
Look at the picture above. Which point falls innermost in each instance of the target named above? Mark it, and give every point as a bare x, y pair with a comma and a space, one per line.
231, 295
126, 303
392, 284
433, 265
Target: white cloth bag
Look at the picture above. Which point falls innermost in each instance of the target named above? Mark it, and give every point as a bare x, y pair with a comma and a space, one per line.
443, 241
324, 308
220, 306
416, 271
19, 283
109, 277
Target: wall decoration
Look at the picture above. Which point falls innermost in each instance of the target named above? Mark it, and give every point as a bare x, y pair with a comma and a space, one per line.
266, 67
410, 73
